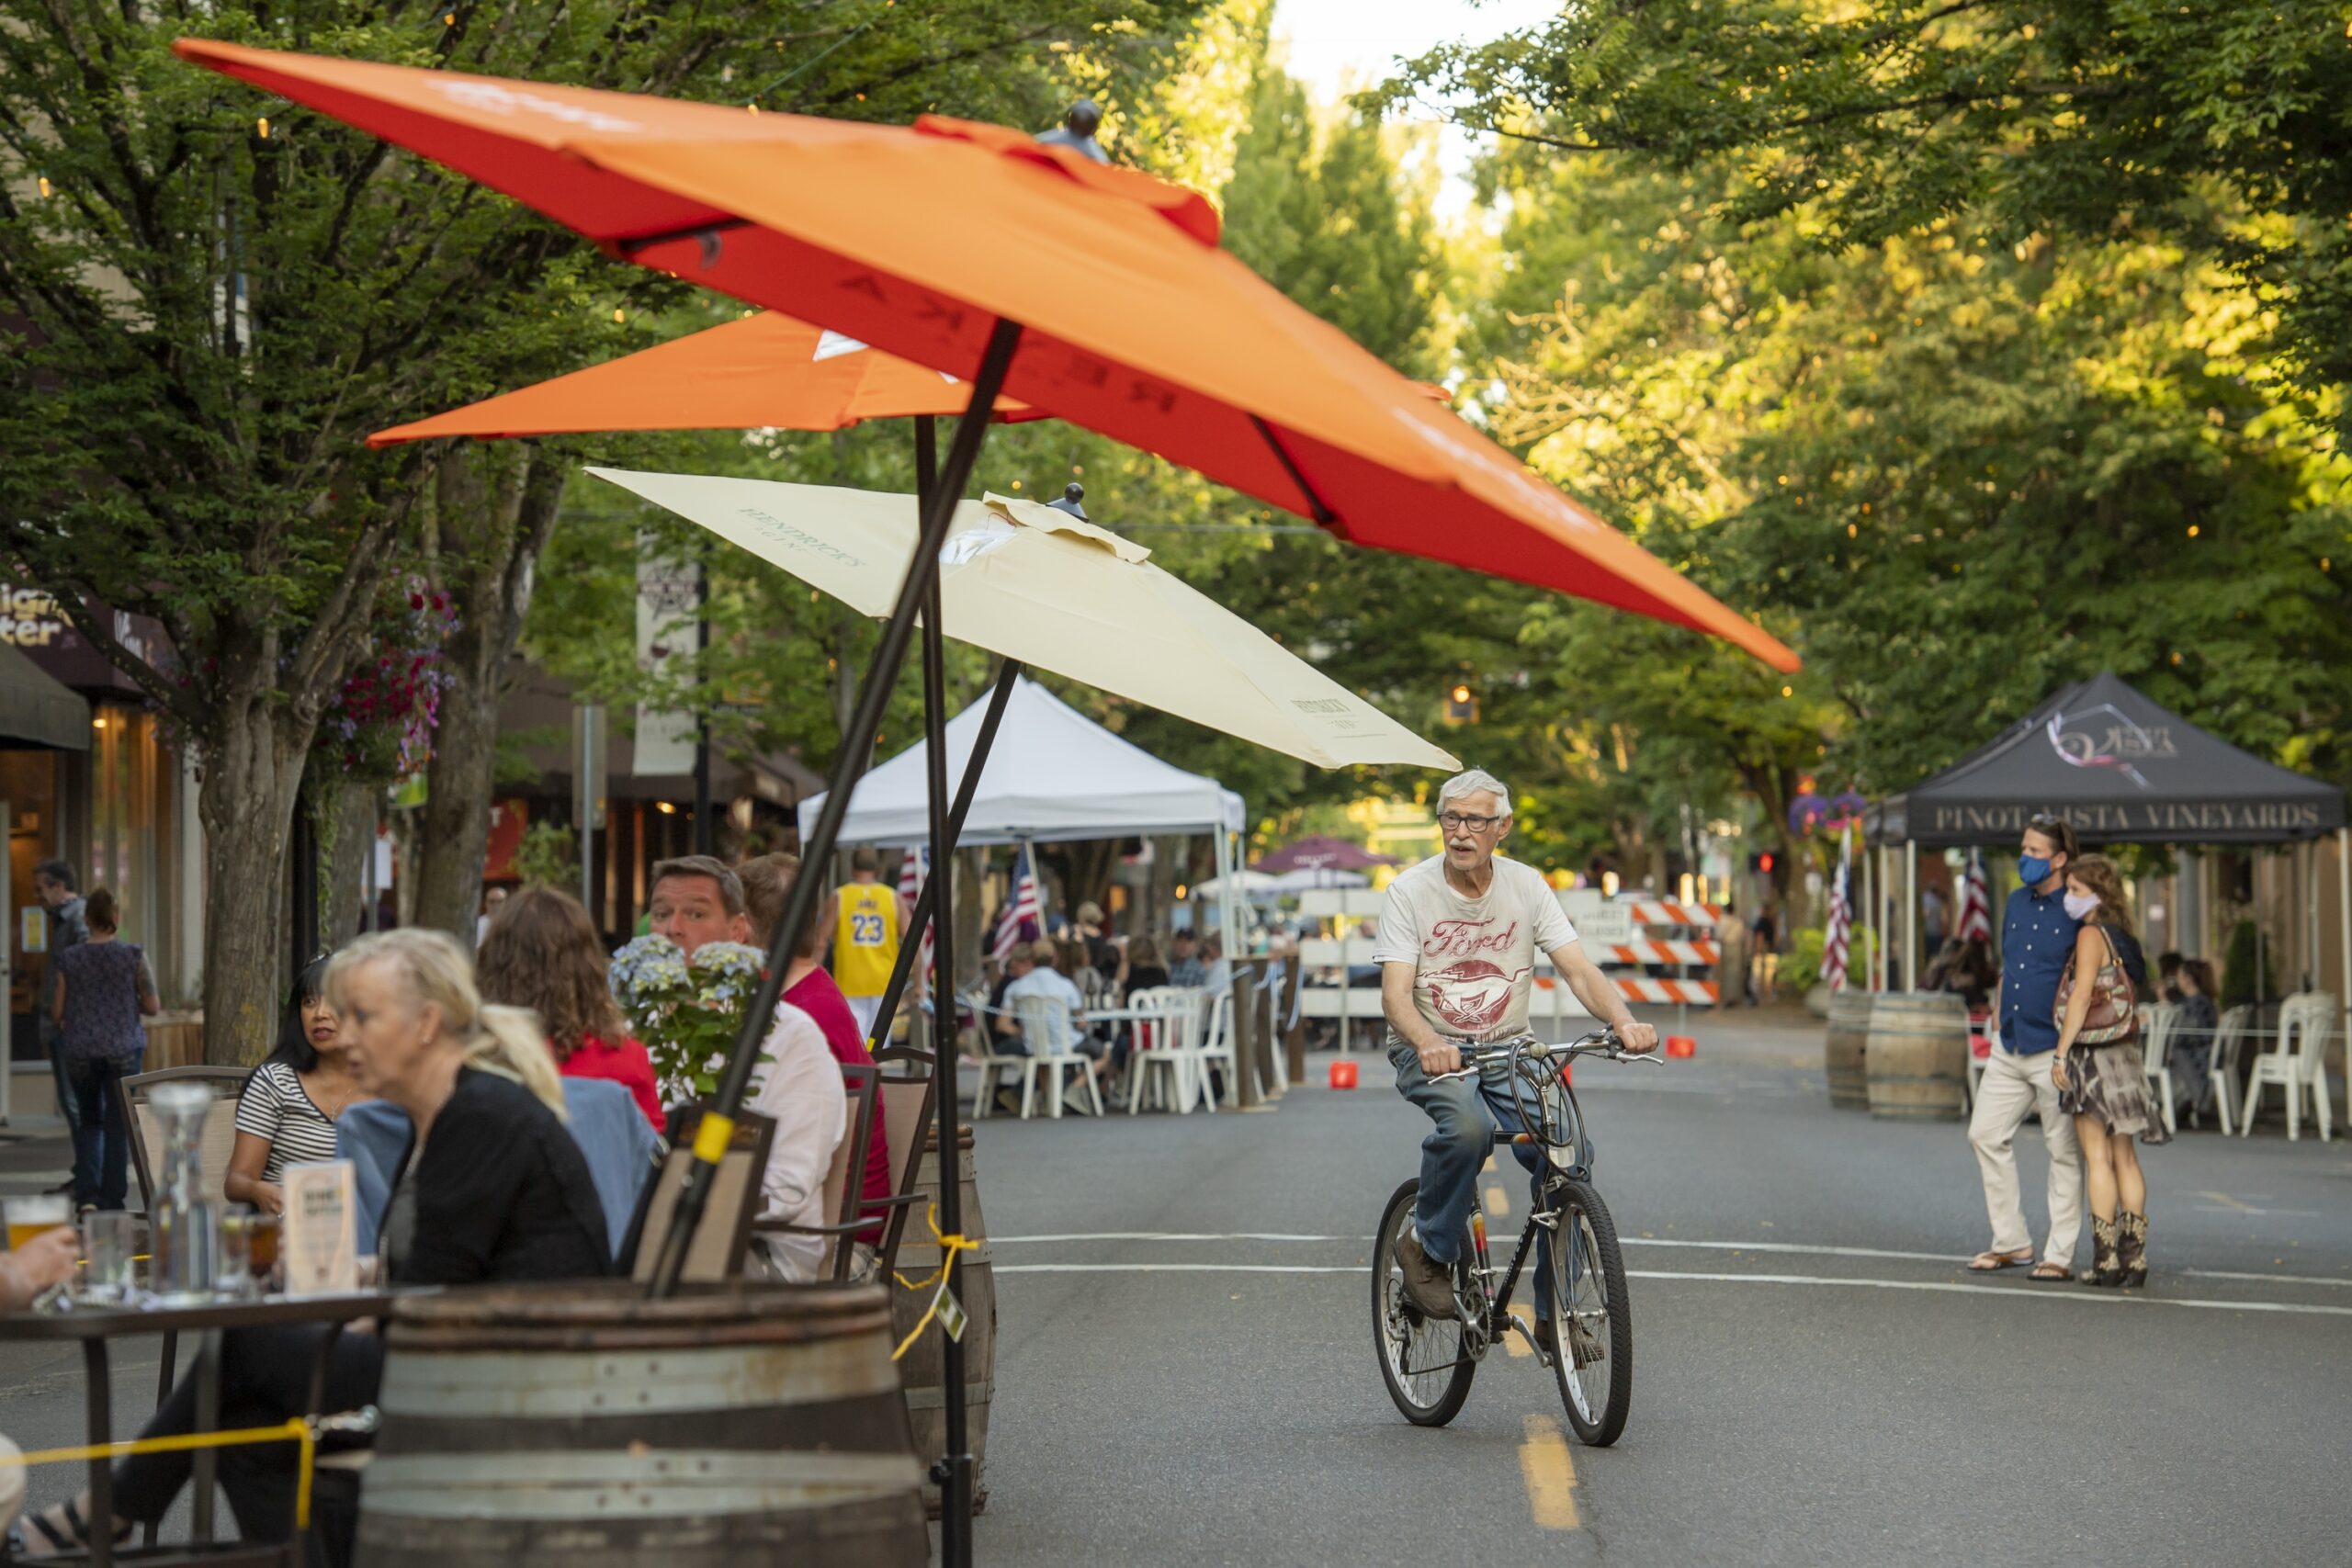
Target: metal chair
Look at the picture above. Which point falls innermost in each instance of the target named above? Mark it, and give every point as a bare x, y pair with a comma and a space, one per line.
909, 1100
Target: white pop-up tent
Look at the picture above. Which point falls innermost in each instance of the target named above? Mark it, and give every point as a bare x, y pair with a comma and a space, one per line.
1053, 775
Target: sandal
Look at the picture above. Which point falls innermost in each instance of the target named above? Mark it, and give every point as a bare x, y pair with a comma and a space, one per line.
1990, 1262
2047, 1270
74, 1538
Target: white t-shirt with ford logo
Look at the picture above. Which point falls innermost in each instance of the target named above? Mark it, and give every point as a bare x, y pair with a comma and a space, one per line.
1474, 959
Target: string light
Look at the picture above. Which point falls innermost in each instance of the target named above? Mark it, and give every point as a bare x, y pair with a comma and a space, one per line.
46, 191
2192, 530
261, 127
1788, 691
619, 316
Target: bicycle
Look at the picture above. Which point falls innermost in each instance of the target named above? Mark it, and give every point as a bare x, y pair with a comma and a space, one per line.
1427, 1363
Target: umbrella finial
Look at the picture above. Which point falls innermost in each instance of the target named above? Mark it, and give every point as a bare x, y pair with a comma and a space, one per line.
1072, 493
1077, 130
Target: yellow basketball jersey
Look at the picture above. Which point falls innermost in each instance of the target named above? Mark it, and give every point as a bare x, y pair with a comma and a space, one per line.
865, 938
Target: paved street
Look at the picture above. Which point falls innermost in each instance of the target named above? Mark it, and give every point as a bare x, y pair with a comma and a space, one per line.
1186, 1375
1186, 1372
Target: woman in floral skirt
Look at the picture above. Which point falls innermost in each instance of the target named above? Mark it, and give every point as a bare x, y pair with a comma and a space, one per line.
2102, 1072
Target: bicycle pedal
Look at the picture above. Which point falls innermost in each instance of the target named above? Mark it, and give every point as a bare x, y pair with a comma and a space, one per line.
1542, 1351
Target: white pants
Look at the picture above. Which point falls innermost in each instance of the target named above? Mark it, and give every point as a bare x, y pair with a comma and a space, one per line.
12, 1486
2012, 1086
865, 1010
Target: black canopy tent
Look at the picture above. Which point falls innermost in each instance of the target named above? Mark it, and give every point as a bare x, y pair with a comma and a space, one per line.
2122, 769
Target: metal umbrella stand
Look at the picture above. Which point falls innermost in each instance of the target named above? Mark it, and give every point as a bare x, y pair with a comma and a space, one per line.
919, 589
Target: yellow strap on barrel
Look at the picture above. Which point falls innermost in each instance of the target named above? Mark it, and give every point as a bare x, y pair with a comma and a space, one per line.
297, 1430
949, 1246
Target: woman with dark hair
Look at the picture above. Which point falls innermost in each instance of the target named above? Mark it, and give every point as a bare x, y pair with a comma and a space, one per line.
287, 1113
2192, 1037
2100, 1070
542, 952
103, 987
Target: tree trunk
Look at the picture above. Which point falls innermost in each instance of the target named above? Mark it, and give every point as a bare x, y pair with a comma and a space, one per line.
347, 826
252, 775
490, 524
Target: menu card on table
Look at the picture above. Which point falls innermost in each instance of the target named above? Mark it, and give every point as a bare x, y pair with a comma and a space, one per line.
319, 1236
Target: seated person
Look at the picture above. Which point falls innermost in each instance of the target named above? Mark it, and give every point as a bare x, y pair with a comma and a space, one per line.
767, 885
1004, 1030
492, 1189
542, 952
1067, 1038
289, 1107
1217, 978
1184, 965
698, 899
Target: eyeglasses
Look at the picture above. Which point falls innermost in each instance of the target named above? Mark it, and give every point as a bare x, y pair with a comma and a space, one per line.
1454, 821
2045, 821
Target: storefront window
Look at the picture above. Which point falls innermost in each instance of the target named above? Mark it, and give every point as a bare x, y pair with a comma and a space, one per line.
29, 789
134, 834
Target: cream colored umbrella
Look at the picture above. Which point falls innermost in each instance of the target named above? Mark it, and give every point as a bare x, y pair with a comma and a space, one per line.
1038, 586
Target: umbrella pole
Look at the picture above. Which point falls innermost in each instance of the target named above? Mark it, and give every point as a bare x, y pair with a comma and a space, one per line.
712, 1141
927, 901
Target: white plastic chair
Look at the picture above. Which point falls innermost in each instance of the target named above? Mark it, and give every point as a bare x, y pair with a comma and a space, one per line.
1216, 1048
2221, 1060
1047, 1026
2297, 1062
999, 1068
1163, 1056
2157, 1025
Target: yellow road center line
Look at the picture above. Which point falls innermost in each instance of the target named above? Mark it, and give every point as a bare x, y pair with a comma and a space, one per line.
1550, 1476
1498, 1202
2226, 1198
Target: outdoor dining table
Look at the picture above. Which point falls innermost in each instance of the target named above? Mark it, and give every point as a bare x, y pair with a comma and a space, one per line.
95, 1326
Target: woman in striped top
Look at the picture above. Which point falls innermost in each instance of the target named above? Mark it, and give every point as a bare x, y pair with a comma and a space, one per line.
288, 1113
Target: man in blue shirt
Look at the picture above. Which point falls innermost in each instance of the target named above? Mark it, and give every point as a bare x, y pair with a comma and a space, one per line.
2037, 944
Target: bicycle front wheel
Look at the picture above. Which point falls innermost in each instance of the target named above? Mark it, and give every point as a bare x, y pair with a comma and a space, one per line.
1421, 1357
1592, 1324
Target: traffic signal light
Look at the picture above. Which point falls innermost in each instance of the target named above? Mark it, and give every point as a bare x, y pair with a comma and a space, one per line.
1762, 861
1460, 704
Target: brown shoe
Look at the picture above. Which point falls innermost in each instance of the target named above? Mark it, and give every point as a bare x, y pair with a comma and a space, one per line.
2106, 1271
1428, 1284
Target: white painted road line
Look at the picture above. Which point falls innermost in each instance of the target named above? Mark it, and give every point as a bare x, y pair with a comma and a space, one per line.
2295, 1309
1801, 1248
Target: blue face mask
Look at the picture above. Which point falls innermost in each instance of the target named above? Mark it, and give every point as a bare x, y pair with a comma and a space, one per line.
2034, 870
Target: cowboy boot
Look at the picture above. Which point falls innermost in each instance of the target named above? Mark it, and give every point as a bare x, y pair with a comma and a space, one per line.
2131, 1246
2106, 1264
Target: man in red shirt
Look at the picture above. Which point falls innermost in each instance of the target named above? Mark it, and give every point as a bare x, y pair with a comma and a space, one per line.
767, 882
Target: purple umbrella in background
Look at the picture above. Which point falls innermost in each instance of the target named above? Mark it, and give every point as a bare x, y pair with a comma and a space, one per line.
1320, 853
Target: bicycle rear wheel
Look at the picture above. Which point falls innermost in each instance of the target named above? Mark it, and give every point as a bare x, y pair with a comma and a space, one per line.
1592, 1324
1421, 1357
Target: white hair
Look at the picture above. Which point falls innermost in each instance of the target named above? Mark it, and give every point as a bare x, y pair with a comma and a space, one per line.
1477, 781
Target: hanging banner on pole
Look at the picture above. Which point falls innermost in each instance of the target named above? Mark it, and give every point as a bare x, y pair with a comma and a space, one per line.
669, 634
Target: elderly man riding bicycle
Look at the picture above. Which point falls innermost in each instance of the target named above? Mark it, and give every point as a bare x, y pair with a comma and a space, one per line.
1456, 950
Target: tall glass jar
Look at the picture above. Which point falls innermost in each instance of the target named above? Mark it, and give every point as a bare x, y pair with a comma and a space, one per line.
186, 1224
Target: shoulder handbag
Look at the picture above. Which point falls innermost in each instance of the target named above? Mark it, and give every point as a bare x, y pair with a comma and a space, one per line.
2112, 1016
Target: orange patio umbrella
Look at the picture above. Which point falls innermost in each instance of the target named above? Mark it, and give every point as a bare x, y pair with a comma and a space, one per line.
766, 369
1124, 315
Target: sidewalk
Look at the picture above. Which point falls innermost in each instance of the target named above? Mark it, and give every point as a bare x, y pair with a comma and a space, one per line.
35, 1155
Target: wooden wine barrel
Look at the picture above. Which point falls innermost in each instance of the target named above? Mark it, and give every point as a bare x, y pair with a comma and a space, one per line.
1916, 1060
571, 1424
919, 1368
1849, 1025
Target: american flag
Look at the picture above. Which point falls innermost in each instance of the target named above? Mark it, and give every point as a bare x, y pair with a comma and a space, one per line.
1833, 945
1024, 916
913, 872
1975, 901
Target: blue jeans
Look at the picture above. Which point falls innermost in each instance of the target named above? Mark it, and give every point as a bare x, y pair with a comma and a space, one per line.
1466, 1113
67, 1106
101, 1141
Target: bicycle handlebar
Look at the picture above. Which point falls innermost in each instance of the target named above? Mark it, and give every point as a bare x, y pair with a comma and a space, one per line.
1601, 1042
